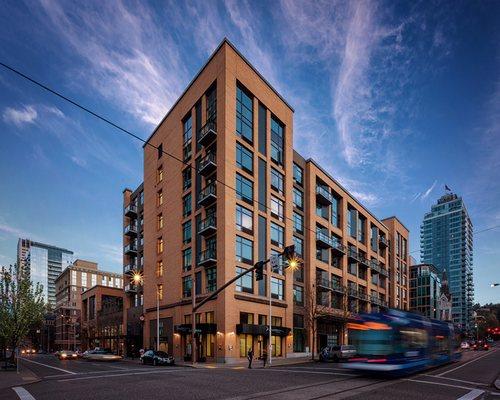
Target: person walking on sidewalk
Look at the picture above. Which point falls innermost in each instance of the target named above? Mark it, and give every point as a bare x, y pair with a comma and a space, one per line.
264, 358
250, 357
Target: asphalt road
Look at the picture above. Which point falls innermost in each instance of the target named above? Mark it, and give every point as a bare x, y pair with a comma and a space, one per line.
469, 379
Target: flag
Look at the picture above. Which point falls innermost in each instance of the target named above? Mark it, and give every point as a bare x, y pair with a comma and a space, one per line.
447, 188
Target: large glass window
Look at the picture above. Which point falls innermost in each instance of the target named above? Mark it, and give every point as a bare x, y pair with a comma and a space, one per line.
186, 259
188, 129
244, 158
186, 205
211, 275
277, 235
277, 288
277, 180
244, 188
299, 246
277, 208
244, 250
298, 295
298, 198
244, 219
245, 283
212, 104
186, 232
298, 223
187, 285
244, 114
186, 179
298, 174
277, 139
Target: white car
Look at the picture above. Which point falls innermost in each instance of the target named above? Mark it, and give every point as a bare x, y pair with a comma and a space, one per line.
464, 345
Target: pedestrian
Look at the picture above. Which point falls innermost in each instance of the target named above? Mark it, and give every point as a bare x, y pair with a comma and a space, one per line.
264, 358
250, 358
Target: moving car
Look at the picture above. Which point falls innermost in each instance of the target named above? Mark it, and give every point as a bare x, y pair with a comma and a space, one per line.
337, 353
481, 345
464, 345
157, 358
66, 355
101, 355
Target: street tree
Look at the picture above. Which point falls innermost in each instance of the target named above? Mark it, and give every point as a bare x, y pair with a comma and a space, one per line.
22, 306
314, 310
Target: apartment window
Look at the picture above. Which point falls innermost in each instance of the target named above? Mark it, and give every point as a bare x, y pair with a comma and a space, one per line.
186, 179
277, 288
160, 150
299, 246
298, 198
298, 174
187, 286
159, 268
186, 232
94, 280
244, 219
352, 222
277, 235
277, 208
141, 198
244, 189
361, 228
298, 295
160, 292
244, 114
244, 158
160, 221
244, 250
186, 259
277, 180
352, 268
335, 212
277, 139
159, 245
159, 174
84, 279
211, 275
188, 129
73, 278
245, 283
159, 198
374, 238
212, 103
186, 205
298, 223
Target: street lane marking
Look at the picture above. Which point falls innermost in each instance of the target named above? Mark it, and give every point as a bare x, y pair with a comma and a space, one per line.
473, 394
311, 372
112, 374
107, 371
438, 383
49, 366
319, 369
23, 393
467, 363
458, 380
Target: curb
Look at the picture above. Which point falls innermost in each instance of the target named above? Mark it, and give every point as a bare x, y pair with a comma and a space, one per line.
35, 380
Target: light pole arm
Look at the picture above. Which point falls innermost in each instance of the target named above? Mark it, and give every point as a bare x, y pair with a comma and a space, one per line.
214, 294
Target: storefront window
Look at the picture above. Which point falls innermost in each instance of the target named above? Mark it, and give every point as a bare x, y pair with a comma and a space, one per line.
245, 344
276, 342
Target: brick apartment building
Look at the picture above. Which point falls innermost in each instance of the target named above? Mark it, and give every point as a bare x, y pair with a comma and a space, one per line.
240, 195
70, 284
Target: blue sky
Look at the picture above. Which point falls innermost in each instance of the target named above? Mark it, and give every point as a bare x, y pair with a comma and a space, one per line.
394, 99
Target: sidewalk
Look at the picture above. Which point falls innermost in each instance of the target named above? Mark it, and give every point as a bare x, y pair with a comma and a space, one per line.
10, 378
276, 362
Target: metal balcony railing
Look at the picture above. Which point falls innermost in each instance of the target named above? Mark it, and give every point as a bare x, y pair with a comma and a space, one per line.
207, 133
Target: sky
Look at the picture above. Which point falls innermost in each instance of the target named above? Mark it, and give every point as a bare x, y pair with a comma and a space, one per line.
394, 98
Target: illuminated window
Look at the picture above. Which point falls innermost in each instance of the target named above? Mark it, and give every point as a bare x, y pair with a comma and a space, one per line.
160, 221
159, 245
159, 268
159, 174
159, 198
160, 292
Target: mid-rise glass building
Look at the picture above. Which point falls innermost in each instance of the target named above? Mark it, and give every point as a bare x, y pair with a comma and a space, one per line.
45, 263
446, 242
425, 289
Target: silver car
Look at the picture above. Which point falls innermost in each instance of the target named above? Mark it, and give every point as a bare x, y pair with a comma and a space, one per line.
337, 353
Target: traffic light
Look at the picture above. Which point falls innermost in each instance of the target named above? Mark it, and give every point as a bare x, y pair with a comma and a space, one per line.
259, 271
289, 252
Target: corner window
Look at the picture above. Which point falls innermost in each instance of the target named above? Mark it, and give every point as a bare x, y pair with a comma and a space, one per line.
277, 139
244, 114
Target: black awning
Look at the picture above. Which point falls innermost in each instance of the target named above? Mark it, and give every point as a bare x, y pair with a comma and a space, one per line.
185, 329
251, 329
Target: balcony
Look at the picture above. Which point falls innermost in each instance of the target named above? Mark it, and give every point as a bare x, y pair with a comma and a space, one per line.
131, 210
384, 271
207, 133
383, 241
129, 267
323, 283
338, 247
375, 300
208, 164
338, 288
323, 195
208, 195
323, 240
207, 257
352, 254
363, 260
130, 230
363, 296
129, 288
375, 266
130, 249
208, 226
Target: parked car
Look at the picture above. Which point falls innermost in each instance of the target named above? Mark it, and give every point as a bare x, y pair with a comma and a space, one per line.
464, 345
66, 355
157, 358
337, 353
101, 355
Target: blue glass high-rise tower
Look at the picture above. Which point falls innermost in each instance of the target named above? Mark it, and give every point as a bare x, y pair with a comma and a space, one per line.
446, 240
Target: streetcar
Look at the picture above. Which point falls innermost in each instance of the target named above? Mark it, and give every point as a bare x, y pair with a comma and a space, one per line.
398, 343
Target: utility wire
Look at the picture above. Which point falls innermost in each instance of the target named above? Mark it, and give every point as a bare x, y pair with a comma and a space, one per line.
146, 142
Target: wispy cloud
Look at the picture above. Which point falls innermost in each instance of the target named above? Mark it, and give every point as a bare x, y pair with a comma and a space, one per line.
20, 116
112, 253
11, 230
428, 191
